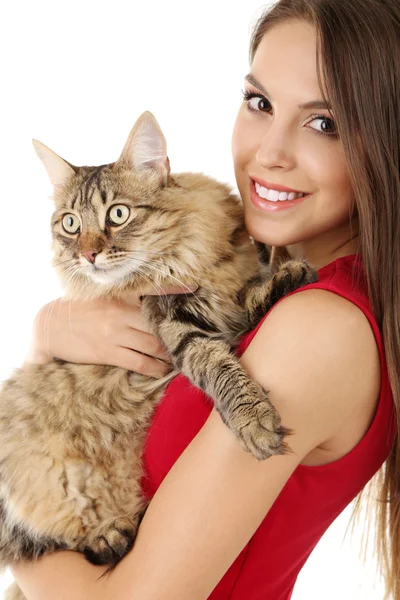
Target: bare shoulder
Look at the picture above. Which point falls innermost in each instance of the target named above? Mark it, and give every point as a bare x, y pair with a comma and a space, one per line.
317, 355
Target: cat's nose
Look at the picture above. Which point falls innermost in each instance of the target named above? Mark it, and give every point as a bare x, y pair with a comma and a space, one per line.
90, 256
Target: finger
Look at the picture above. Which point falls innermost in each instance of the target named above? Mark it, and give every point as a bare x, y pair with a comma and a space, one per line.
134, 361
132, 316
143, 342
137, 322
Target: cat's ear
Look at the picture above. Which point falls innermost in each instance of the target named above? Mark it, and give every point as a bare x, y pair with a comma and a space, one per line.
146, 148
58, 170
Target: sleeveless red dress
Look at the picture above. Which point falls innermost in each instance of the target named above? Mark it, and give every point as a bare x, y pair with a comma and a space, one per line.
312, 497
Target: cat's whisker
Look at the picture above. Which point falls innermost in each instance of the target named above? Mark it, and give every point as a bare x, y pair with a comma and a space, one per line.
147, 252
143, 273
71, 273
180, 272
144, 251
165, 266
62, 262
71, 267
74, 274
167, 274
184, 286
56, 265
178, 269
159, 291
191, 275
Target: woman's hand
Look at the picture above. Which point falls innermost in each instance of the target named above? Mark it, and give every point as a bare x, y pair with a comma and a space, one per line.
107, 332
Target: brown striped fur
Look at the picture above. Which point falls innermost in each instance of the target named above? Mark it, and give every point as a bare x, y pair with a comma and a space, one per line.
71, 435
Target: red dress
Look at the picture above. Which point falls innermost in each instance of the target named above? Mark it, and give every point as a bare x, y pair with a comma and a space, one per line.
312, 497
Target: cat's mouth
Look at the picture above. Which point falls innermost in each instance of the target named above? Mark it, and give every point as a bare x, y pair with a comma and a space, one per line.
113, 272
106, 274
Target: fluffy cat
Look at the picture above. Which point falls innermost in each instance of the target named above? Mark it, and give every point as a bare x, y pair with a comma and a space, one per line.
71, 435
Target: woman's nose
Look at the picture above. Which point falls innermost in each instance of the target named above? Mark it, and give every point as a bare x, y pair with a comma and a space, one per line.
276, 148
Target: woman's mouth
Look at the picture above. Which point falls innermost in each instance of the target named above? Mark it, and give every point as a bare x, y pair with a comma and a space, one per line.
273, 200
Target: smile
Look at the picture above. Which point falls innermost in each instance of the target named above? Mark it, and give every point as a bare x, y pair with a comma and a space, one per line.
274, 195
274, 200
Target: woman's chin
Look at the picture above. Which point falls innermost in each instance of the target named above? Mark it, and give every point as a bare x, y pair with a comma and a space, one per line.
262, 232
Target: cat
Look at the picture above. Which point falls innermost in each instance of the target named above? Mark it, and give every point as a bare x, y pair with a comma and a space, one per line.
72, 435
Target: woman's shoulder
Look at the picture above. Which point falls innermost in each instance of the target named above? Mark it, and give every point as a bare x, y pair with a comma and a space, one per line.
317, 355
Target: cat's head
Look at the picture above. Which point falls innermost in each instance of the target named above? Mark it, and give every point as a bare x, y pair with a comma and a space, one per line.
131, 224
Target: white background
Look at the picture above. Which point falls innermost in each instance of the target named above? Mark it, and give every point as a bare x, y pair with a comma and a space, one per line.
76, 76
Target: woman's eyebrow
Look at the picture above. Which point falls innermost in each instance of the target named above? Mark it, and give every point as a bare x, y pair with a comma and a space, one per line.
312, 104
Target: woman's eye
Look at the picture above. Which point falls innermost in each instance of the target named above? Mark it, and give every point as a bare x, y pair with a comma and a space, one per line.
259, 103
328, 126
256, 102
118, 214
71, 223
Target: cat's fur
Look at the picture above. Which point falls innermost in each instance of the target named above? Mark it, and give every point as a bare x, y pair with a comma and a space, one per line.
71, 435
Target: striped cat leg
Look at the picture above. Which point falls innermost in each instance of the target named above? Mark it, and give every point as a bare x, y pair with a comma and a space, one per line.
242, 403
260, 294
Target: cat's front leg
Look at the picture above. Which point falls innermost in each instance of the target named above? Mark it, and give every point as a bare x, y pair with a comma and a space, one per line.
260, 294
243, 404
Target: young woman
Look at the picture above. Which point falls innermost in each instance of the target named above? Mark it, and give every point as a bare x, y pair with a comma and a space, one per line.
321, 115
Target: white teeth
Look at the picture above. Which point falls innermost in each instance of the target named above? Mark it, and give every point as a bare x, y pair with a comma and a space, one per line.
262, 192
274, 195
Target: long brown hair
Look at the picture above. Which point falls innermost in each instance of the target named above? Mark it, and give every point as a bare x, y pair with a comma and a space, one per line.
358, 58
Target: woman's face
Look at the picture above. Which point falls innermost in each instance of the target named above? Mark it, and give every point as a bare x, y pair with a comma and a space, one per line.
276, 143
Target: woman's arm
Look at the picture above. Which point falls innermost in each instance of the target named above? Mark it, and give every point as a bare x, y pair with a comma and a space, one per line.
216, 495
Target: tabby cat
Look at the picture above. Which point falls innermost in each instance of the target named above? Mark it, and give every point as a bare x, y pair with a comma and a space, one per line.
71, 435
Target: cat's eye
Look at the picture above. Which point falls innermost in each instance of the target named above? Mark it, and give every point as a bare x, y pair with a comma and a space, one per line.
118, 214
71, 223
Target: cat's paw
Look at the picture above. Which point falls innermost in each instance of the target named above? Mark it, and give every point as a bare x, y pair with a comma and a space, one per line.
257, 424
292, 275
107, 544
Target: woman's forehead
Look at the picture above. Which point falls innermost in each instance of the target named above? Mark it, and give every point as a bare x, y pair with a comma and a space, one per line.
286, 61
